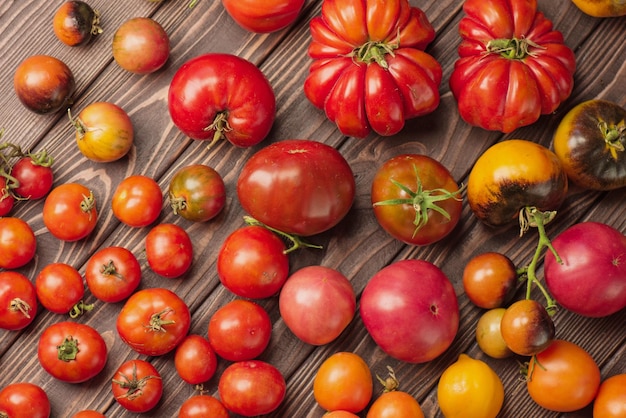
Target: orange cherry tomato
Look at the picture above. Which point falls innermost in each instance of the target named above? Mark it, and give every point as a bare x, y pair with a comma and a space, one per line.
75, 23
137, 201
526, 327
489, 280
610, 401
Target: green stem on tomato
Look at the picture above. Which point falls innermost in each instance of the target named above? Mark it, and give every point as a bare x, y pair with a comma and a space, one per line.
295, 240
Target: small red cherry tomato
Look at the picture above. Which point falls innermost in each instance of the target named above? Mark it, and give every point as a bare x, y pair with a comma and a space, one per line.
112, 274
195, 360
24, 400
263, 16
18, 300
60, 289
137, 386
137, 201
69, 212
203, 406
141, 45
17, 243
34, 175
169, 250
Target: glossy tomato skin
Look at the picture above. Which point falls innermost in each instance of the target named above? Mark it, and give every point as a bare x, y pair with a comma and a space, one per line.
513, 66
18, 301
35, 177
137, 201
169, 250
610, 402
526, 327
88, 413
514, 174
44, 84
590, 142
195, 360
71, 352
104, 132
17, 243
489, 335
24, 400
602, 8
263, 16
112, 274
370, 71
251, 388
314, 177
395, 404
406, 293
429, 180
490, 280
153, 321
141, 45
317, 303
76, 23
7, 200
222, 95
70, 212
202, 406
137, 385
197, 193
60, 288
591, 279
564, 377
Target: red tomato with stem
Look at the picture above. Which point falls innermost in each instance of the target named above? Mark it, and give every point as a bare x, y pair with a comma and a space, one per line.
141, 45
215, 96
195, 360
197, 193
153, 321
262, 16
169, 250
71, 352
70, 212
513, 66
369, 70
18, 301
137, 201
24, 400
202, 406
7, 199
112, 274
17, 243
137, 385
253, 263
60, 289
251, 388
34, 175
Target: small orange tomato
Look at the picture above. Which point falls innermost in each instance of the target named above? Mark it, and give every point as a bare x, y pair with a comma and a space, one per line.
610, 401
88, 413
489, 280
137, 201
395, 404
602, 8
76, 22
44, 84
489, 336
526, 327
340, 414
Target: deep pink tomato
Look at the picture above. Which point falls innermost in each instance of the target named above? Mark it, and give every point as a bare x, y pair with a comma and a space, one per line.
34, 176
202, 406
370, 71
195, 360
141, 45
137, 385
252, 388
17, 243
169, 250
153, 321
197, 193
69, 212
60, 289
513, 66
591, 279
252, 262
416, 199
240, 330
216, 96
137, 201
263, 16
317, 303
313, 177
112, 274
18, 300
24, 400
72, 352
406, 293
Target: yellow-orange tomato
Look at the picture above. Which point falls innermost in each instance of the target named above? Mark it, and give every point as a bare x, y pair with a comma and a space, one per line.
395, 404
340, 414
489, 280
488, 335
610, 401
602, 8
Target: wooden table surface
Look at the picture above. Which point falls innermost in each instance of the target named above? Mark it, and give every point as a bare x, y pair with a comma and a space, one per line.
357, 247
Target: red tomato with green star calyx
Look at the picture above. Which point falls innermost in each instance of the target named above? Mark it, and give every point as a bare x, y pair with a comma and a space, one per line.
137, 385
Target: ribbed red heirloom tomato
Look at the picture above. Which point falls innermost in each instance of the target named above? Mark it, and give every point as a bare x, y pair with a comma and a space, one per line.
263, 16
370, 71
513, 66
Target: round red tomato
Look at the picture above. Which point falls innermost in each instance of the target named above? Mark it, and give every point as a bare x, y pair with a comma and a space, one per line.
112, 274
18, 300
71, 352
370, 71
512, 67
153, 321
197, 193
24, 400
313, 177
34, 175
195, 360
141, 45
263, 16
169, 250
137, 385
44, 84
406, 293
317, 303
216, 96
202, 406
252, 262
70, 212
104, 132
60, 289
240, 330
7, 196
563, 377
137, 201
610, 402
76, 23
416, 199
343, 382
88, 413
17, 243
252, 388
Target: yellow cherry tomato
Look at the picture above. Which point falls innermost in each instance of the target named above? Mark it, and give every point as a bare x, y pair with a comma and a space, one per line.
602, 8
488, 335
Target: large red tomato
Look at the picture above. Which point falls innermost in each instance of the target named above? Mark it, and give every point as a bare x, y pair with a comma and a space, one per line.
217, 96
513, 66
263, 16
24, 400
370, 71
314, 178
17, 243
411, 311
